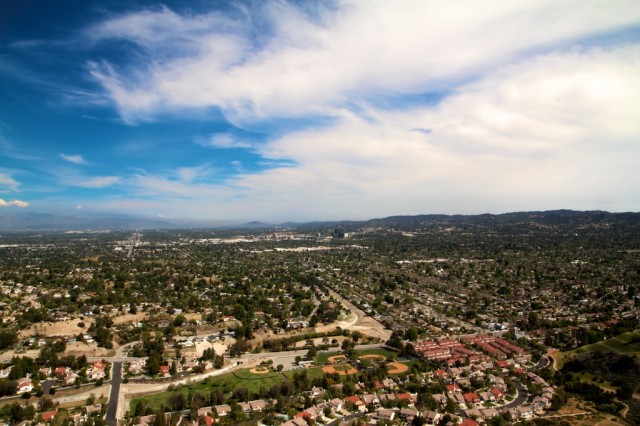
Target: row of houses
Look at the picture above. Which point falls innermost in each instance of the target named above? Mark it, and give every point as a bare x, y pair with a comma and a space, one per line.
64, 375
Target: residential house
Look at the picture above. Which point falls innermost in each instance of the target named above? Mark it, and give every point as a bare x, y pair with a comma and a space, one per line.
469, 422
205, 411
70, 378
488, 413
337, 404
4, 372
384, 415
432, 417
407, 397
370, 399
471, 398
90, 409
296, 421
223, 410
497, 393
408, 414
24, 385
454, 388
60, 372
47, 416
258, 405
357, 402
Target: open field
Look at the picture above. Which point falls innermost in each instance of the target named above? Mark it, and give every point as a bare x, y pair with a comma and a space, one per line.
59, 328
226, 383
327, 357
342, 369
390, 355
627, 343
323, 358
312, 373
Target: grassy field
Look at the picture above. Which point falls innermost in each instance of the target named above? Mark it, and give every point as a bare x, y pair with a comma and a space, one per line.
378, 351
588, 377
323, 358
312, 373
627, 343
226, 383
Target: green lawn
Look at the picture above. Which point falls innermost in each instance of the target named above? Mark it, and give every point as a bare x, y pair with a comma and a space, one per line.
323, 358
408, 364
378, 351
312, 373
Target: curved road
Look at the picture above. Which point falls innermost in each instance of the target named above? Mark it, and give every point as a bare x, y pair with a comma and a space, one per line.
521, 398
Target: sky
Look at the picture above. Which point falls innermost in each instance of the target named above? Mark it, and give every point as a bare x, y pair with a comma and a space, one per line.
318, 110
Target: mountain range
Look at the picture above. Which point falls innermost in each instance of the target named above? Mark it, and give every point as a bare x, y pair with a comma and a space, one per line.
30, 221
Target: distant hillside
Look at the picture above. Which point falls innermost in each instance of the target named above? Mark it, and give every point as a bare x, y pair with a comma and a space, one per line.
40, 221
51, 222
552, 217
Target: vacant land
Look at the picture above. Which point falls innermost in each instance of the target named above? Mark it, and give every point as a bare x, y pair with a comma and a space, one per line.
627, 343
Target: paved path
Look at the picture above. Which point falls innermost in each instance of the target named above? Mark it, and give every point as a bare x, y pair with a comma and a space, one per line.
116, 381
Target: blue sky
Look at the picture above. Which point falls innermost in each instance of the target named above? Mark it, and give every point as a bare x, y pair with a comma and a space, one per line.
317, 110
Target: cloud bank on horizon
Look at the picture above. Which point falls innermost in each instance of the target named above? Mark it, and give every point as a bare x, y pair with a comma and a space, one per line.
324, 109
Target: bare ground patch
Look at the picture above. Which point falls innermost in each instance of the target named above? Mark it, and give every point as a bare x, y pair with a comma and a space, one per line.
397, 368
341, 369
260, 370
337, 359
373, 356
60, 328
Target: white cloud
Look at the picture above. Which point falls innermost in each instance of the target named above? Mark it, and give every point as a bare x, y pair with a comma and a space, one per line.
531, 118
185, 182
332, 58
224, 141
95, 182
16, 203
8, 184
75, 159
549, 132
191, 174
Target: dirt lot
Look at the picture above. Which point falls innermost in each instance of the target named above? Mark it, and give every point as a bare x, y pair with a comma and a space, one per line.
81, 348
360, 322
123, 319
52, 329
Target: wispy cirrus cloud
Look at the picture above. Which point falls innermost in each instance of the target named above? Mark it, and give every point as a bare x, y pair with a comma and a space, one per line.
75, 159
224, 141
8, 183
97, 181
517, 139
71, 179
324, 59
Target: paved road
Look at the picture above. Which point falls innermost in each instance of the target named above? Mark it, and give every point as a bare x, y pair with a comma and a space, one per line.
116, 381
521, 398
544, 361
